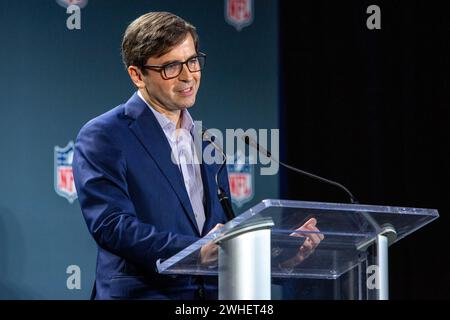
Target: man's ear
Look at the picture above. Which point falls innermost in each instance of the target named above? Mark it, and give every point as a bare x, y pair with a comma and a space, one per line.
136, 76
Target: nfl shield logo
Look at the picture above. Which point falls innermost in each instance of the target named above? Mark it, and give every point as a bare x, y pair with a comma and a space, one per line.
239, 13
240, 177
64, 184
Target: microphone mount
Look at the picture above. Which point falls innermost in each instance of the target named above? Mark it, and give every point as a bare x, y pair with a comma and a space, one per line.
249, 141
221, 194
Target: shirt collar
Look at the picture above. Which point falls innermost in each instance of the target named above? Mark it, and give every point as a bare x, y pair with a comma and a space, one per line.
187, 122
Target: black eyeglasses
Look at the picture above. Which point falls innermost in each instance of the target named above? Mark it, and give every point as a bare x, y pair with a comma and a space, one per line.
173, 69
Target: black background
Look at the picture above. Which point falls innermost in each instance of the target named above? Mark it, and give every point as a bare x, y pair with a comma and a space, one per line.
369, 108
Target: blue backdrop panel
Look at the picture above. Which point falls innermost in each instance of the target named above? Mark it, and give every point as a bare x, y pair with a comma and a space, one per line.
53, 80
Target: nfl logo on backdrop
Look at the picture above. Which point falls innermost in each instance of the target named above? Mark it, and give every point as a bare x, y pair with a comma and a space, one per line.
239, 13
240, 177
64, 183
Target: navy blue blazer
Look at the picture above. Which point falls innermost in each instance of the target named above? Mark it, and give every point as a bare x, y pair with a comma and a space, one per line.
136, 205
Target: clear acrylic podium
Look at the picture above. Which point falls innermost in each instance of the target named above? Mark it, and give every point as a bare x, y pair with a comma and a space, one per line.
256, 250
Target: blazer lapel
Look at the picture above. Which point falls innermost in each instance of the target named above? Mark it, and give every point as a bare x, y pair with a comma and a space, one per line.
152, 137
210, 191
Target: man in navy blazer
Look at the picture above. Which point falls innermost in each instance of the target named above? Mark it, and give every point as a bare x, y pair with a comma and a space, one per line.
139, 204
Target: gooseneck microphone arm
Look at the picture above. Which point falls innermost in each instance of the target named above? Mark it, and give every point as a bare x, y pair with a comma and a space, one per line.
249, 141
221, 194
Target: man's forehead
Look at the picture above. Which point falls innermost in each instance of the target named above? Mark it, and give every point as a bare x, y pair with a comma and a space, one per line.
184, 50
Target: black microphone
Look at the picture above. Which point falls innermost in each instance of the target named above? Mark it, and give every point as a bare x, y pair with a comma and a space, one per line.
249, 141
221, 194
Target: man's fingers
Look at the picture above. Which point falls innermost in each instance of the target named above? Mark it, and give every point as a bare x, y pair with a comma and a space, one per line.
297, 234
314, 238
306, 246
310, 226
310, 223
217, 226
320, 236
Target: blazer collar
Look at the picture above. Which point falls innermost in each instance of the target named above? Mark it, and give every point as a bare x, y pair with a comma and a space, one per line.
134, 107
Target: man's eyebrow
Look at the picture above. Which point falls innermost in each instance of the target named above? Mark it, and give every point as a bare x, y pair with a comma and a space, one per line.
174, 61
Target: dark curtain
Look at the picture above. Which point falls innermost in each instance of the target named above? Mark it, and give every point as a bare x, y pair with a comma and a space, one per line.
369, 108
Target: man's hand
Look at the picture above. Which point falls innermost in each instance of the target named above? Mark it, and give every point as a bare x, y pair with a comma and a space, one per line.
208, 253
309, 245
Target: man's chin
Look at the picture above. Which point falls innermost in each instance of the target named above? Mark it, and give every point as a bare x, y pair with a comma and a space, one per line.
188, 105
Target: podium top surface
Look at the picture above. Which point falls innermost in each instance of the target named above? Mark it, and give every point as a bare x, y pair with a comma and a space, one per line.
348, 230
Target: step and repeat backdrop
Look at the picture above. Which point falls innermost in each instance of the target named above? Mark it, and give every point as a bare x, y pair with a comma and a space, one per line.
60, 67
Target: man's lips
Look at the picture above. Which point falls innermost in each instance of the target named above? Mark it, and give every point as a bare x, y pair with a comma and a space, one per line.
186, 91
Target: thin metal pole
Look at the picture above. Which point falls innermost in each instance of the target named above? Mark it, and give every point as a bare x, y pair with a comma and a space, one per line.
383, 267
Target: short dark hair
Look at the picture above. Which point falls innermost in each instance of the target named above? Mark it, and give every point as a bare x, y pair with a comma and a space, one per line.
153, 35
